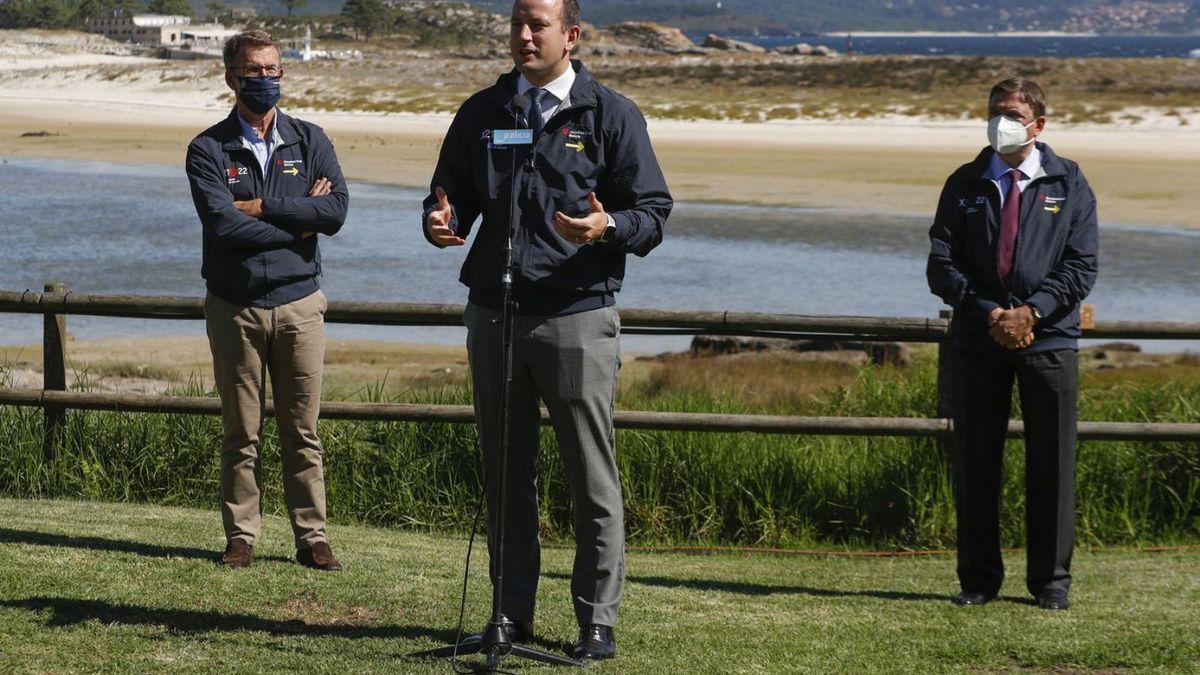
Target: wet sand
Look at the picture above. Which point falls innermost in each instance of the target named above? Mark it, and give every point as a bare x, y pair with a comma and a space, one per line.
1141, 175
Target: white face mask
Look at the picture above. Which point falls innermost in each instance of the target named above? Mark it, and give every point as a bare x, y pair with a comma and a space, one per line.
1006, 135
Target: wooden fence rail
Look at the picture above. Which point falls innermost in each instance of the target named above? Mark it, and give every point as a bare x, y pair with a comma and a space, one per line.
862, 328
55, 303
624, 419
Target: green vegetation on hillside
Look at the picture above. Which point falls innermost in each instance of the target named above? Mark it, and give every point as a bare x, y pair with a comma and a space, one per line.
75, 13
748, 88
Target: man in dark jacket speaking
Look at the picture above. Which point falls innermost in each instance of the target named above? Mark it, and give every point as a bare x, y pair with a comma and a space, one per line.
571, 160
265, 185
1014, 248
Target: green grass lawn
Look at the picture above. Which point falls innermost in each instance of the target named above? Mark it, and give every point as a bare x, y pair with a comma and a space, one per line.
95, 587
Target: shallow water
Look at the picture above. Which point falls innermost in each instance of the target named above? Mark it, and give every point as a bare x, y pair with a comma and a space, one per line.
1062, 45
115, 228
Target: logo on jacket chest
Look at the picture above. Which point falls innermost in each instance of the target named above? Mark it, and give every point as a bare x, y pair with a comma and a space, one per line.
289, 167
574, 139
234, 173
972, 204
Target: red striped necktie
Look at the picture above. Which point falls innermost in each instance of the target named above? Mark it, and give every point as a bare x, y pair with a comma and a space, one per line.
1009, 217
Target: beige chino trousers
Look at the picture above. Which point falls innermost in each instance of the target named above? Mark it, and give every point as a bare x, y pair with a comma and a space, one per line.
289, 343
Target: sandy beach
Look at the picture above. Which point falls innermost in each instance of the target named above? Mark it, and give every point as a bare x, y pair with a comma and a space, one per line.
147, 112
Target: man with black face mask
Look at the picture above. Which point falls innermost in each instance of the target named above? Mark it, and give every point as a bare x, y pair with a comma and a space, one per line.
1014, 248
264, 185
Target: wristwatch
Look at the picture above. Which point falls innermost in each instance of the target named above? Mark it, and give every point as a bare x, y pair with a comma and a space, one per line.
1037, 313
610, 230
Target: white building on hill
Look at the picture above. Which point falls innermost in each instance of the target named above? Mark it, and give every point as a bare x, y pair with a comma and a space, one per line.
161, 30
149, 29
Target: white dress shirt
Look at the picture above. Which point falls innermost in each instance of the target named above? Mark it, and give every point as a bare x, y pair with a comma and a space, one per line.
557, 92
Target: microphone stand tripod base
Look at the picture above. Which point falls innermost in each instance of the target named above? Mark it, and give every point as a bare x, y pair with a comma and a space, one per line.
494, 642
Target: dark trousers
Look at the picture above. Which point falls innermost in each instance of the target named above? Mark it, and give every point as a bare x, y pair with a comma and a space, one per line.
1048, 383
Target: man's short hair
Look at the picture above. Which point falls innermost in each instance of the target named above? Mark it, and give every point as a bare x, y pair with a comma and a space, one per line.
251, 39
1028, 90
570, 14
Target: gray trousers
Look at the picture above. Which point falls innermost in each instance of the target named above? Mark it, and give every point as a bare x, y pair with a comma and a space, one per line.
1049, 387
571, 363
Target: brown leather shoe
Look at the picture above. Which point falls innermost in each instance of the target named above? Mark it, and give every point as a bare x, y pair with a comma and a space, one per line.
238, 554
319, 557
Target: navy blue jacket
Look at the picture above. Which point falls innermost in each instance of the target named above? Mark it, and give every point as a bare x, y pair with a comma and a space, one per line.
267, 262
596, 144
1054, 265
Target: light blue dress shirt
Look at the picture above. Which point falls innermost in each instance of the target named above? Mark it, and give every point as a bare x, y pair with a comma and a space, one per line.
998, 172
261, 147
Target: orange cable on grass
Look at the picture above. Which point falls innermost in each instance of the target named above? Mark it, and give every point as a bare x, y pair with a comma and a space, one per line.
871, 554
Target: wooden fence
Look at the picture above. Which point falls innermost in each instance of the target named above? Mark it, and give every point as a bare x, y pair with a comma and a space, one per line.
56, 303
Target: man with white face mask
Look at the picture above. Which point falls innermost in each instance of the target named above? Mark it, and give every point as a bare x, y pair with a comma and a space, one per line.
1014, 249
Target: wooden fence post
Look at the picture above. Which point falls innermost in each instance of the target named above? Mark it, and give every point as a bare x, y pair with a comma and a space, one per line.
54, 374
945, 388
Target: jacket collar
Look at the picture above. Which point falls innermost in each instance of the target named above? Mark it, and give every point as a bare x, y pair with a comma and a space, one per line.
583, 91
1052, 165
229, 131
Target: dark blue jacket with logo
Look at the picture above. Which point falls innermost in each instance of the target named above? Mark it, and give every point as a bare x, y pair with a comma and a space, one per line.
598, 143
264, 262
1054, 265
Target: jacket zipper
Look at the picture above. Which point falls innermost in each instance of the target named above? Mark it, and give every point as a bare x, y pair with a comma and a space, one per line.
530, 162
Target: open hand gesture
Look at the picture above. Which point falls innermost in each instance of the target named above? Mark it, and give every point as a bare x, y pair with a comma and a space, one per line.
437, 223
582, 230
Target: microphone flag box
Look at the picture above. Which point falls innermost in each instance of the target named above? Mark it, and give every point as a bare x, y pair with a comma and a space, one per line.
512, 137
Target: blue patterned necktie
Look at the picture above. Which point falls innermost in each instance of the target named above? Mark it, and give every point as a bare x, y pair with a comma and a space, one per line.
534, 114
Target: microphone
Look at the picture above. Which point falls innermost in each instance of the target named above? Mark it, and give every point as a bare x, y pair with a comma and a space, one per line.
518, 103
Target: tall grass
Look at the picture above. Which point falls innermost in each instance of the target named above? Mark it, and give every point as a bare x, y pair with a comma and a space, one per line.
679, 487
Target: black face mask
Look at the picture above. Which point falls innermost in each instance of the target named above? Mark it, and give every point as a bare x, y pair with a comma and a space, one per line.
260, 94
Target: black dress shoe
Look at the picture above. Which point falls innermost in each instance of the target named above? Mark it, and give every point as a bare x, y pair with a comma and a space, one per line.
971, 599
517, 631
514, 631
595, 642
1052, 600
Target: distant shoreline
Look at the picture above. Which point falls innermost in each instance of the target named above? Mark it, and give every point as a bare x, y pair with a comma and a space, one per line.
963, 34
967, 34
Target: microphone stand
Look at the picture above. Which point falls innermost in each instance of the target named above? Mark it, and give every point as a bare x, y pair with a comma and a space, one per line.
494, 640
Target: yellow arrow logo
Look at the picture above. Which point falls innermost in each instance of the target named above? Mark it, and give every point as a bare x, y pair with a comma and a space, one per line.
1052, 209
292, 171
577, 146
